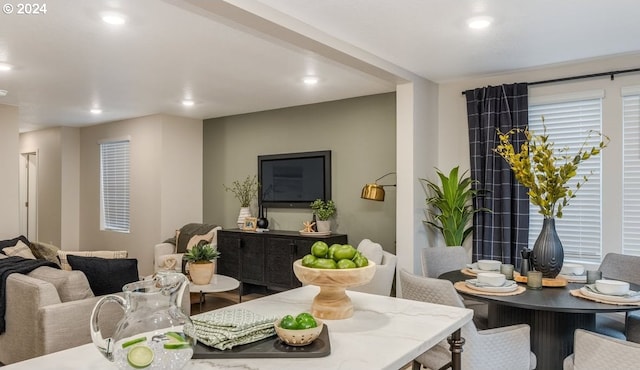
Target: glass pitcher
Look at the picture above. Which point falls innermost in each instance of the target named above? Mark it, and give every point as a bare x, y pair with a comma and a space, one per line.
154, 332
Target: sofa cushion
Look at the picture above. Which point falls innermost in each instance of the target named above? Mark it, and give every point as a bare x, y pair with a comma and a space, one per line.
371, 250
12, 242
106, 275
20, 249
71, 285
45, 251
62, 256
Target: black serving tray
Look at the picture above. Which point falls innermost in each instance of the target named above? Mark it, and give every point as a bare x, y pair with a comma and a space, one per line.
271, 347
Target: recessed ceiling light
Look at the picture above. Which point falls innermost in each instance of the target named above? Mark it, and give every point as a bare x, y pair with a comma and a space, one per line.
310, 80
188, 102
96, 111
5, 67
3, 93
113, 19
479, 22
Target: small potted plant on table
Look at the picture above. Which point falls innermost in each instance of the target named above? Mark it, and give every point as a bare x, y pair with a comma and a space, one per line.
201, 259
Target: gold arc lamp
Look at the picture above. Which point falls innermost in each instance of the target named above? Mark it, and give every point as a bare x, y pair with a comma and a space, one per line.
375, 191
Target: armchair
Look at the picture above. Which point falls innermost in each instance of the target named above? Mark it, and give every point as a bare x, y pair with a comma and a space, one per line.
385, 268
168, 254
501, 348
597, 351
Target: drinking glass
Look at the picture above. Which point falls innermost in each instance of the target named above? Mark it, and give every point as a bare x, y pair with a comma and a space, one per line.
593, 275
534, 279
506, 269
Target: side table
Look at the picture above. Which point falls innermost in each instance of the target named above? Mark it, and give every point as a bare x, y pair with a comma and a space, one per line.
219, 283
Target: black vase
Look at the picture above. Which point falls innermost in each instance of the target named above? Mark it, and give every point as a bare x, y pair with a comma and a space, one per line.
547, 255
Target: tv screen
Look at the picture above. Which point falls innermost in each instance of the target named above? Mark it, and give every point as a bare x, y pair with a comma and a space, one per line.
294, 180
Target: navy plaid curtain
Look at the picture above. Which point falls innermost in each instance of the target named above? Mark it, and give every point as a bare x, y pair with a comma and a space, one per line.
503, 232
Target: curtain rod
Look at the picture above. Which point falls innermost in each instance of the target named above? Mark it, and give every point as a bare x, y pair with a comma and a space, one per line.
611, 74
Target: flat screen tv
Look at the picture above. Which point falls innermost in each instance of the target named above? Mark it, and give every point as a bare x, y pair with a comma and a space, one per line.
294, 180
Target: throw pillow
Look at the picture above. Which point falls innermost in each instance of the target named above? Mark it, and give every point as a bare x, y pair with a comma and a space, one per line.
196, 239
2, 256
21, 250
62, 256
371, 250
105, 275
12, 242
71, 285
45, 251
170, 262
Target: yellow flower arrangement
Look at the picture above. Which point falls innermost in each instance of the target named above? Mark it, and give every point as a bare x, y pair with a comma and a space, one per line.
542, 171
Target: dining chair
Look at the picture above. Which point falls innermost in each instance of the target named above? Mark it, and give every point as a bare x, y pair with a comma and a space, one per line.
438, 260
500, 348
593, 351
623, 267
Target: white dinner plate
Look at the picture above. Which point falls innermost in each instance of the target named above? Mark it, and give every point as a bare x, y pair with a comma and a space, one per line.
611, 298
509, 286
315, 233
574, 278
473, 267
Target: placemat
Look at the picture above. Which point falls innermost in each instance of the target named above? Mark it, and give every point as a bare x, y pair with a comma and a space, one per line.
462, 287
578, 293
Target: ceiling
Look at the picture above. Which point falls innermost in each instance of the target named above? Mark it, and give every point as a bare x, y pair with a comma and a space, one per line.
240, 56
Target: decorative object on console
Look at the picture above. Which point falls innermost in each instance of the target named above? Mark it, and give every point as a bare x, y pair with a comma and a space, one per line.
308, 226
244, 192
250, 224
375, 191
323, 210
546, 173
201, 259
449, 206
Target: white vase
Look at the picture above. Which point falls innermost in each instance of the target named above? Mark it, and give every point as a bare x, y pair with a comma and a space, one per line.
323, 226
244, 212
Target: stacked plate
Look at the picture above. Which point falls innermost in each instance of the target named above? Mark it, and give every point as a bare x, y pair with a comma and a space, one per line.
590, 290
508, 286
573, 273
473, 267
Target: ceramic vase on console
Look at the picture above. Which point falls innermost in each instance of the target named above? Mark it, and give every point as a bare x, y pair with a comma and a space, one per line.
323, 226
244, 213
547, 255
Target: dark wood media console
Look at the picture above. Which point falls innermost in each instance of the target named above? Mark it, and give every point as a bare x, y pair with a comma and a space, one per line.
264, 260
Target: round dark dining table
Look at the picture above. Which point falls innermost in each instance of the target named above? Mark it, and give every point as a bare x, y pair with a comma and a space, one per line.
552, 313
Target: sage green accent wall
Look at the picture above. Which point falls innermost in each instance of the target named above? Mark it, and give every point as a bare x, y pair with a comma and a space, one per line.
9, 167
361, 134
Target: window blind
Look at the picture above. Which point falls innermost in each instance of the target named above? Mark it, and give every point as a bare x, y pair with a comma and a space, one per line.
114, 185
568, 124
631, 175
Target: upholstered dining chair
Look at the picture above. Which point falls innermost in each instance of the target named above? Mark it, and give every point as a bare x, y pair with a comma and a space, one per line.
623, 326
438, 260
501, 348
592, 351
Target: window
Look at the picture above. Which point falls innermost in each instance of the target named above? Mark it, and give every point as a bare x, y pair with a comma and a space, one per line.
568, 121
631, 172
114, 185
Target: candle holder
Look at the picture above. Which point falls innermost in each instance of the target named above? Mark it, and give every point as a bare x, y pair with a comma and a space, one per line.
534, 279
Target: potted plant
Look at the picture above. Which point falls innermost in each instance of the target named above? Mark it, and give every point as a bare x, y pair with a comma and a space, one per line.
546, 173
449, 206
323, 212
245, 191
201, 259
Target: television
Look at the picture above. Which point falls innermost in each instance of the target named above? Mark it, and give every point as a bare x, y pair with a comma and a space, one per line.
294, 180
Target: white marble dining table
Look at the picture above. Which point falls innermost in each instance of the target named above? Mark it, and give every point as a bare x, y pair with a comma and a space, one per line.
383, 333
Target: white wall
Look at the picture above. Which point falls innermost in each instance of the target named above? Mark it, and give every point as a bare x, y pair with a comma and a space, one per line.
154, 177
9, 168
453, 122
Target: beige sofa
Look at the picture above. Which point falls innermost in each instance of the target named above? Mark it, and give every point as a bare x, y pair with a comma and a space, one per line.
48, 310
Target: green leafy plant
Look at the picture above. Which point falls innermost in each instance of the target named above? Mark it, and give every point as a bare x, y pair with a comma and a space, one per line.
244, 191
323, 210
449, 206
544, 171
202, 253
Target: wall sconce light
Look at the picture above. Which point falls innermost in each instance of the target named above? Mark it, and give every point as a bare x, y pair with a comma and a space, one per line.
375, 191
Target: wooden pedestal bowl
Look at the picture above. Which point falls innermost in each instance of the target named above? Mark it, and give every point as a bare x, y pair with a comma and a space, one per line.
332, 303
